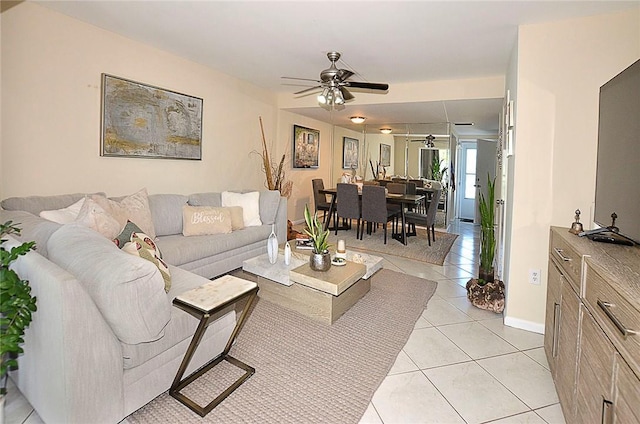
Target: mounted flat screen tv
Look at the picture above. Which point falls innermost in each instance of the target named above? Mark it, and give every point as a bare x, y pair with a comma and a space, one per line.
618, 169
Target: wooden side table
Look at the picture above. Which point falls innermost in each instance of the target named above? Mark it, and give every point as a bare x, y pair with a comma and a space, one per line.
203, 303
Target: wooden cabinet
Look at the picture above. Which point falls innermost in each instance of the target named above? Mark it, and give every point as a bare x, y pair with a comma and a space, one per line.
592, 332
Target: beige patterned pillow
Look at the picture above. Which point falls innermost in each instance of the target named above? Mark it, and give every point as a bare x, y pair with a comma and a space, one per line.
94, 216
134, 208
201, 220
237, 220
142, 245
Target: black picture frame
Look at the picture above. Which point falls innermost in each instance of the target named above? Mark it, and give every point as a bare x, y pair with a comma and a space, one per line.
350, 152
306, 147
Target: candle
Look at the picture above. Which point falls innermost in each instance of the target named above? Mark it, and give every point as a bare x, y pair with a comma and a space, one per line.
341, 246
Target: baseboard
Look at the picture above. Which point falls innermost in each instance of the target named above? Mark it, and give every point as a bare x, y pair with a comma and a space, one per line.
524, 325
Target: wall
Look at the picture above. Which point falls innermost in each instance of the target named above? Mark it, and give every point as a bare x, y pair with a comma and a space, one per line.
51, 70
560, 68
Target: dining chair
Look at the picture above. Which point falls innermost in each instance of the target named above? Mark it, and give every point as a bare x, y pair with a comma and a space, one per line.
370, 182
348, 205
374, 209
320, 199
396, 188
418, 183
427, 220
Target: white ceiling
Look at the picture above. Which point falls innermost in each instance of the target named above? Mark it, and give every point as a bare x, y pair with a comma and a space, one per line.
383, 41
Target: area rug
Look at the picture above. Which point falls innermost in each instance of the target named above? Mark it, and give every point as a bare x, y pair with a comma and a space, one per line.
307, 371
417, 247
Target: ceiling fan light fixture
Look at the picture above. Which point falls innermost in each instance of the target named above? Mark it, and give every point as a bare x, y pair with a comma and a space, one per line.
385, 130
323, 98
357, 119
337, 96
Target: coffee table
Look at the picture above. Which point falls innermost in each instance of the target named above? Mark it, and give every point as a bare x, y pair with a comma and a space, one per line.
323, 296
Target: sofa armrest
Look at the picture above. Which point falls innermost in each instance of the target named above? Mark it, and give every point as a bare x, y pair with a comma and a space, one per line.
72, 368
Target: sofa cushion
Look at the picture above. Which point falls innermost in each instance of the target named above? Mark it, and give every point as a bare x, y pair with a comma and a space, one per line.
37, 204
177, 250
250, 203
166, 212
269, 203
128, 290
202, 220
64, 215
205, 199
181, 326
237, 217
33, 228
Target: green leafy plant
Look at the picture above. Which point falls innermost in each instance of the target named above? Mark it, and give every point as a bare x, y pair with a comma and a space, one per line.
315, 231
437, 170
487, 233
16, 304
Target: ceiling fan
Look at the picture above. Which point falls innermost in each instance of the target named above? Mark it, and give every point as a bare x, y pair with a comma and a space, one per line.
428, 141
334, 82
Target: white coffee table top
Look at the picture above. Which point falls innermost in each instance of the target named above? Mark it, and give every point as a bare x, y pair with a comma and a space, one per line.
278, 272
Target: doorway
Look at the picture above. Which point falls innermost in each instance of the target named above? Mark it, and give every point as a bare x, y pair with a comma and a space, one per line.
466, 197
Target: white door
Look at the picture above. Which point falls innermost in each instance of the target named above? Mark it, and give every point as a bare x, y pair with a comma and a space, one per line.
467, 181
485, 165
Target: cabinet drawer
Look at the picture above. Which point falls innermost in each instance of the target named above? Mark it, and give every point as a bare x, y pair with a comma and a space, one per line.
627, 403
569, 260
619, 319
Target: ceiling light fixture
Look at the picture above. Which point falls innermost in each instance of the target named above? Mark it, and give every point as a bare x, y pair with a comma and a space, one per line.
357, 119
385, 130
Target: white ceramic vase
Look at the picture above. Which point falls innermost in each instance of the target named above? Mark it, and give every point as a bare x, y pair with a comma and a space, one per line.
287, 253
272, 246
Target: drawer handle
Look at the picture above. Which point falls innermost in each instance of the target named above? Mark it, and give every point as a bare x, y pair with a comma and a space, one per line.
624, 330
556, 329
559, 253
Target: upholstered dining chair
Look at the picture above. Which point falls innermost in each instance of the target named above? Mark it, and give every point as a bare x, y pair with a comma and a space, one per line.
320, 199
348, 204
426, 220
374, 209
396, 188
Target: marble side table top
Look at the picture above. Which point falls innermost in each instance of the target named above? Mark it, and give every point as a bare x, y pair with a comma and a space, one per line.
210, 295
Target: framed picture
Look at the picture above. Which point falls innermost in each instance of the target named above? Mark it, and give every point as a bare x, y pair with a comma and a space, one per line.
306, 147
385, 155
143, 121
350, 147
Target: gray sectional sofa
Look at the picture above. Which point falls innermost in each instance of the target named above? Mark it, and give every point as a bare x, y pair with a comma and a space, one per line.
105, 339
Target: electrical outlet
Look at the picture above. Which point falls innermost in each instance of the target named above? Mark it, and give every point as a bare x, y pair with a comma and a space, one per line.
534, 276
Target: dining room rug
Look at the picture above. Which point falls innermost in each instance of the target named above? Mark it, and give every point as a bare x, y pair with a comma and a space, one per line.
417, 246
307, 371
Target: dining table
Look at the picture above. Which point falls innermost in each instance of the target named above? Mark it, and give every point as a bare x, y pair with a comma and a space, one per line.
405, 200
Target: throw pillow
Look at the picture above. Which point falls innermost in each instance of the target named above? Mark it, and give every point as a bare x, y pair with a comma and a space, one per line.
201, 220
134, 208
250, 203
130, 230
64, 215
94, 216
237, 218
142, 245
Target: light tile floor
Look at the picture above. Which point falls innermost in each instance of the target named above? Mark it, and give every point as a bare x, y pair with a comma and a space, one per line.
460, 364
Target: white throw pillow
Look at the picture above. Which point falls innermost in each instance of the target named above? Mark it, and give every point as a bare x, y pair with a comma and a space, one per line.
94, 216
250, 204
65, 215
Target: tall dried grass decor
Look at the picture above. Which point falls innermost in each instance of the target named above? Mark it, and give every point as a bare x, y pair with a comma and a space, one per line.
275, 174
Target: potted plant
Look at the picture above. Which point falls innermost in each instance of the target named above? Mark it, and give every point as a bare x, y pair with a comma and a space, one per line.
487, 233
485, 292
320, 258
16, 305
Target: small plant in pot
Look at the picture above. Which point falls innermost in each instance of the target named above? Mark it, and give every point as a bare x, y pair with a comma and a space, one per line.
16, 305
485, 292
320, 257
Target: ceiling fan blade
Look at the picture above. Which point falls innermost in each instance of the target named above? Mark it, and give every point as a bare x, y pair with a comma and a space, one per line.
343, 74
308, 89
368, 85
301, 79
346, 94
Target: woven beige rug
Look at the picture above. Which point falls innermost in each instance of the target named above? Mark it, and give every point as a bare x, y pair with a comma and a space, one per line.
417, 247
306, 371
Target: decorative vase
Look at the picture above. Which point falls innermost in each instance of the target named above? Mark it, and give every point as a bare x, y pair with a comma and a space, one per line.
320, 261
287, 253
486, 275
272, 246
